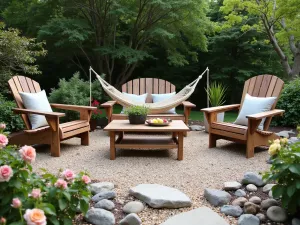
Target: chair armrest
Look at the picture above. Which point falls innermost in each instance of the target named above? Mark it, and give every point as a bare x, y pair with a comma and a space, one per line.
73, 107
29, 111
221, 108
108, 104
188, 104
259, 116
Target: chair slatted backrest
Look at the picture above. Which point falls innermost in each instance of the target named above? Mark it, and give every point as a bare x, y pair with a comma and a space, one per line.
263, 86
23, 84
148, 85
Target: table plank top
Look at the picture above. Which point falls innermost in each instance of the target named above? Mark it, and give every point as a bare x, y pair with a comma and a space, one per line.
124, 125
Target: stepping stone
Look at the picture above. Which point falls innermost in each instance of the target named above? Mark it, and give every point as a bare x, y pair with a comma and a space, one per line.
100, 217
131, 219
159, 196
203, 215
231, 186
101, 186
217, 197
253, 178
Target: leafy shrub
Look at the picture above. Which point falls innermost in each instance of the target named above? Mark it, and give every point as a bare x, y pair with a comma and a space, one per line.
56, 199
285, 171
13, 121
137, 110
290, 102
75, 92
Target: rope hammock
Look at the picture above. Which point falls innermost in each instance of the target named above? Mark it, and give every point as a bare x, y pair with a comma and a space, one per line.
154, 108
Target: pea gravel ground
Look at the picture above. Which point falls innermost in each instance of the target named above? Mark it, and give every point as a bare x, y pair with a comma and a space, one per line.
201, 168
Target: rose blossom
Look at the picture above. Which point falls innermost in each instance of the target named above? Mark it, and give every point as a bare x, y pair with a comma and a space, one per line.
86, 179
2, 126
16, 203
68, 174
61, 184
2, 220
28, 153
35, 217
35, 193
3, 141
5, 173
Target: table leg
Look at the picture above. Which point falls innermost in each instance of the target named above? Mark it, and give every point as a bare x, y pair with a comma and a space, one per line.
112, 145
180, 146
174, 135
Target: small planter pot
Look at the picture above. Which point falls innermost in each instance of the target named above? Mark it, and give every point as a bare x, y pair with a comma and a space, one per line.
93, 124
220, 118
137, 119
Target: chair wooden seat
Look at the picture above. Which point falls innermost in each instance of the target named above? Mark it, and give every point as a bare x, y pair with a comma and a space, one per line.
70, 129
237, 131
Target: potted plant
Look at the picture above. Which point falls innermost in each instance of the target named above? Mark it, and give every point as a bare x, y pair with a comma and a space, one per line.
137, 114
96, 115
216, 96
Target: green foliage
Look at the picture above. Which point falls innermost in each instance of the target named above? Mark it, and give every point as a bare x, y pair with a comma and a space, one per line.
59, 197
289, 101
13, 121
137, 110
285, 171
216, 94
75, 92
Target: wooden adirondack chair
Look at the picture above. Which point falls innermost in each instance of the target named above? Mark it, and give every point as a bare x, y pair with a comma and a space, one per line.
259, 86
55, 132
151, 86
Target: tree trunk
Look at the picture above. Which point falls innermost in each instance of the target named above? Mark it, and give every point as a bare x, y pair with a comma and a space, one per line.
296, 66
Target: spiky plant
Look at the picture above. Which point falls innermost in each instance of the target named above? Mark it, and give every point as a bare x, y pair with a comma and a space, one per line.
216, 94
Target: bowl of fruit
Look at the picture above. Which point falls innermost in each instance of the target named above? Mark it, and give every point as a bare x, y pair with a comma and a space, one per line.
158, 122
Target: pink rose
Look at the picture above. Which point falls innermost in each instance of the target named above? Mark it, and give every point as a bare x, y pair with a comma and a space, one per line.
35, 193
61, 184
2, 220
3, 141
5, 173
2, 126
16, 203
35, 217
28, 153
68, 174
86, 179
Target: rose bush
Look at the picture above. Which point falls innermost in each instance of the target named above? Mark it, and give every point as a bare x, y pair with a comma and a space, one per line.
38, 199
285, 171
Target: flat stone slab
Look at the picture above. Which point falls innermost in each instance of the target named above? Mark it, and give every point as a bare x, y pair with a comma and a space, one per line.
198, 216
159, 196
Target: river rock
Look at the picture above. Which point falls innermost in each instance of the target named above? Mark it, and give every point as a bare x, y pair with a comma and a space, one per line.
268, 187
253, 178
100, 217
105, 204
196, 128
232, 210
101, 186
203, 215
255, 200
295, 221
133, 207
159, 196
294, 140
251, 208
285, 133
265, 204
251, 187
240, 193
232, 186
239, 201
217, 197
104, 195
131, 219
248, 219
277, 214
262, 218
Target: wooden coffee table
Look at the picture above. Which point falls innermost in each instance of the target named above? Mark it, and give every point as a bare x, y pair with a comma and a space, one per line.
118, 127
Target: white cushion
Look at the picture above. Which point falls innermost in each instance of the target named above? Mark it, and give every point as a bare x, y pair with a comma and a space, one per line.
253, 105
36, 101
135, 98
161, 97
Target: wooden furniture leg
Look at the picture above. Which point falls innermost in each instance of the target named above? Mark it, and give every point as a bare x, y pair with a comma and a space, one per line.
212, 140
112, 145
85, 140
174, 134
180, 146
55, 140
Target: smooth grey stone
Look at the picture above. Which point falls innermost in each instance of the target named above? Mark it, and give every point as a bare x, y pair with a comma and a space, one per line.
101, 186
248, 219
196, 127
251, 187
255, 200
295, 221
268, 187
239, 201
131, 219
277, 214
251, 208
265, 204
105, 204
253, 178
217, 197
133, 207
294, 140
104, 195
100, 217
159, 196
285, 133
203, 215
232, 186
240, 193
261, 217
232, 210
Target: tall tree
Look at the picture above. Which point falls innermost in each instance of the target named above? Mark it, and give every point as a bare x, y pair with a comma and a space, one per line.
279, 19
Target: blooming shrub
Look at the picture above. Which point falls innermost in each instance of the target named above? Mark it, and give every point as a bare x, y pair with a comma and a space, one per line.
97, 113
285, 171
37, 199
